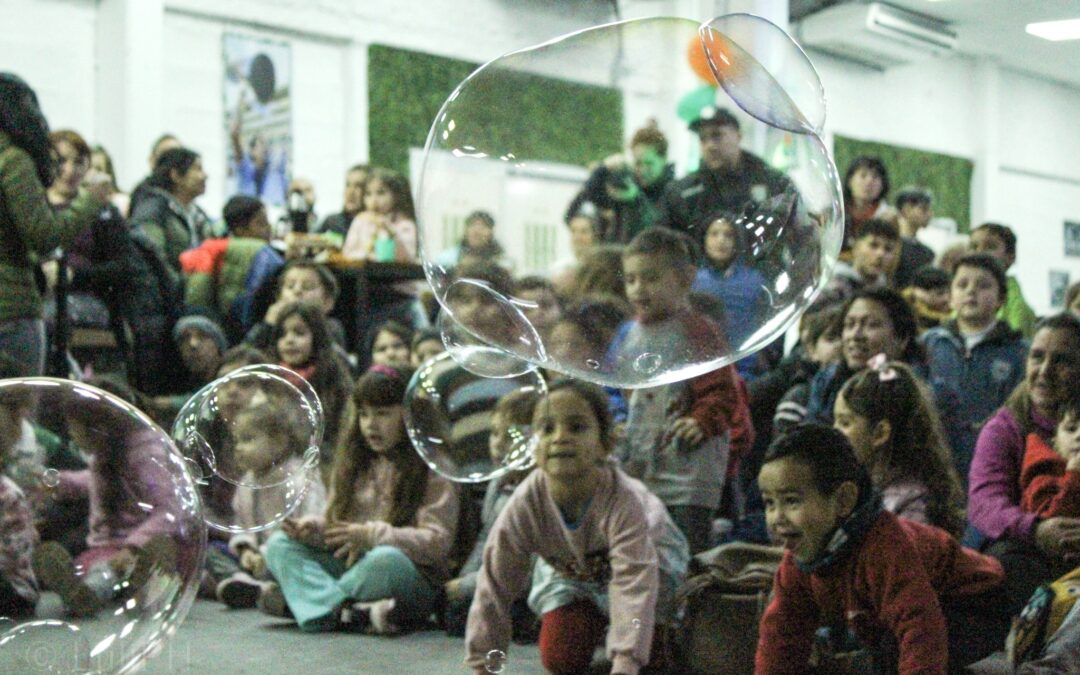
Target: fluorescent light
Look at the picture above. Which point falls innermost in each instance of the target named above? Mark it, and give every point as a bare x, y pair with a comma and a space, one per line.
1066, 29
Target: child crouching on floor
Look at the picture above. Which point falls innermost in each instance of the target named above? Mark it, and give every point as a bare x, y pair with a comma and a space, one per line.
905, 591
18, 537
610, 556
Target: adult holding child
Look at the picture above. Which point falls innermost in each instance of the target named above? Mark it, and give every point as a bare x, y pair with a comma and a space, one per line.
1032, 550
29, 228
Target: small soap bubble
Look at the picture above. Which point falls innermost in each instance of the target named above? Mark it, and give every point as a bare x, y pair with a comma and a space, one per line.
636, 623
495, 661
50, 478
647, 363
448, 417
252, 434
592, 363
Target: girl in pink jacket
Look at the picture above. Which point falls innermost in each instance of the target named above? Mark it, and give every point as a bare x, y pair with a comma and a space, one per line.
607, 547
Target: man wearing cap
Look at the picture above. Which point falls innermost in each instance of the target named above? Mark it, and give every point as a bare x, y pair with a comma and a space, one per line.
729, 177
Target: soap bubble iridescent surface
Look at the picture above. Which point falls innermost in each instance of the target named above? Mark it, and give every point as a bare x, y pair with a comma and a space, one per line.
448, 416
790, 230
252, 436
74, 447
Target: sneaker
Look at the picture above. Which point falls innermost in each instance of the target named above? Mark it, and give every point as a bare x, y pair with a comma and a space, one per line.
55, 570
239, 591
376, 617
272, 601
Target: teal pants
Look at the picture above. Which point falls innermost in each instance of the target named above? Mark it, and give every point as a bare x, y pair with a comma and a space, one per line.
316, 584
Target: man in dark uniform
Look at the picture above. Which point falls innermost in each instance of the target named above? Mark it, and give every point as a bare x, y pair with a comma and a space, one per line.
729, 177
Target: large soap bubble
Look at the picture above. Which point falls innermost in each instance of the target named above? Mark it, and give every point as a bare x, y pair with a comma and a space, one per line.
104, 601
251, 436
448, 415
480, 153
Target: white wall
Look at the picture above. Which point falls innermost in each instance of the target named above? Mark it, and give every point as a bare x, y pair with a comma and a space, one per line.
1020, 131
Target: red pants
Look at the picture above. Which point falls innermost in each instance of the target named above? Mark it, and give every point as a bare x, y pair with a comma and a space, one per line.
569, 635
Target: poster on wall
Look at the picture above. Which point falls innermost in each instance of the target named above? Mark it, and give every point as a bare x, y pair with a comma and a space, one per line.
258, 116
1059, 283
1072, 238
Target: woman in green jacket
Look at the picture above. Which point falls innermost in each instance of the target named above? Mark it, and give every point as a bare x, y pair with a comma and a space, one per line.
29, 228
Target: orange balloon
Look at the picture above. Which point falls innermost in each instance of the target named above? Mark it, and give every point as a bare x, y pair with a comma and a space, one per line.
713, 45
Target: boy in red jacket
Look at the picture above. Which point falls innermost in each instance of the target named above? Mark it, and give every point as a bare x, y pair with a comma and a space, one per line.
1050, 478
908, 592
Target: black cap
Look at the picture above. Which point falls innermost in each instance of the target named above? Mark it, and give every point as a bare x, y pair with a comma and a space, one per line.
710, 114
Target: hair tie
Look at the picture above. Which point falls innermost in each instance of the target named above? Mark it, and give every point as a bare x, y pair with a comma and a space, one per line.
385, 370
880, 365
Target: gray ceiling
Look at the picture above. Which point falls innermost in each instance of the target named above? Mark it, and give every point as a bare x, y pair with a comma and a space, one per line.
995, 29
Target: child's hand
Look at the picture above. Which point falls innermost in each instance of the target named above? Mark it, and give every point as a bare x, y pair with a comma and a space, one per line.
307, 530
689, 430
274, 311
123, 563
453, 590
1074, 462
252, 562
349, 541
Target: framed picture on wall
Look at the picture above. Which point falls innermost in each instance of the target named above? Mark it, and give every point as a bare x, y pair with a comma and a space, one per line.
1072, 238
1059, 283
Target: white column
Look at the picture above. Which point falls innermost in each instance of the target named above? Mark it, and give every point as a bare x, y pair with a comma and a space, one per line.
130, 81
985, 196
357, 147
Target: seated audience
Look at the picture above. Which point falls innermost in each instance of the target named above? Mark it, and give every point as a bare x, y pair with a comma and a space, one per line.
222, 275
975, 360
1050, 477
477, 244
928, 296
888, 417
999, 241
915, 209
1032, 550
376, 560
873, 254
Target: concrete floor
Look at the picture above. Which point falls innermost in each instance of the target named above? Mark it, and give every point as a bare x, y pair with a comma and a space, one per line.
214, 639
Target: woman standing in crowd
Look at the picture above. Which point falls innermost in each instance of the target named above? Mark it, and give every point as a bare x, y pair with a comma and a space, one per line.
28, 226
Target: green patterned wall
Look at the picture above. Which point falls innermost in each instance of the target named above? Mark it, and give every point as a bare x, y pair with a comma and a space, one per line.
406, 90
948, 177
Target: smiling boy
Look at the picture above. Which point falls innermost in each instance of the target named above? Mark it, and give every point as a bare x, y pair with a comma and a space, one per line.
851, 566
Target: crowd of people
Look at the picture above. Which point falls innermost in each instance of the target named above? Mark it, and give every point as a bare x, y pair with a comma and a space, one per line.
916, 454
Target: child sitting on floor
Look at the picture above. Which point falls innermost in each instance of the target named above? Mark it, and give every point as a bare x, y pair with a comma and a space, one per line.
908, 592
18, 588
1050, 477
268, 443
610, 556
374, 560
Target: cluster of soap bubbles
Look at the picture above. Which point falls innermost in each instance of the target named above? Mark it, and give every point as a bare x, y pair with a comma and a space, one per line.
67, 444
251, 436
791, 229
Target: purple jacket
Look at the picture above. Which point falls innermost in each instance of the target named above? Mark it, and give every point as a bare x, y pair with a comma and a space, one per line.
150, 505
994, 478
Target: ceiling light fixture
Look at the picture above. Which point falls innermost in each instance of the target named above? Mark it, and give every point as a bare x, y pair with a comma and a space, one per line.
1066, 29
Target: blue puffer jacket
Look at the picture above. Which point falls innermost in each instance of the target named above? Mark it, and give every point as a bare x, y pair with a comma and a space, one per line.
970, 386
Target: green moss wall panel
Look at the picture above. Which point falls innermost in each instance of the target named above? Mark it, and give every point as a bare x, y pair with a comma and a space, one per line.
554, 120
947, 177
